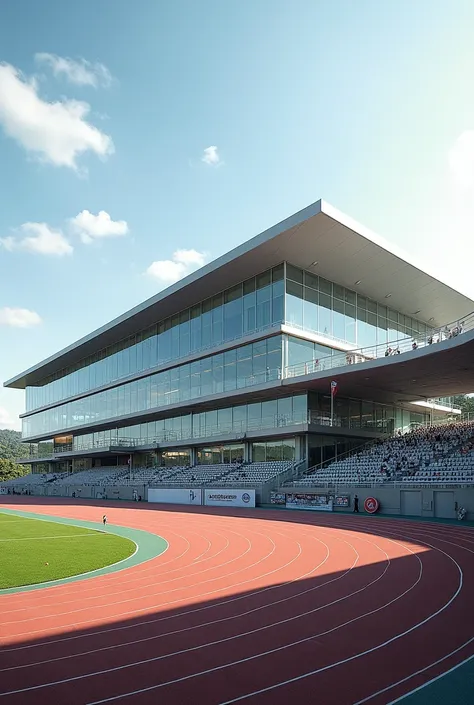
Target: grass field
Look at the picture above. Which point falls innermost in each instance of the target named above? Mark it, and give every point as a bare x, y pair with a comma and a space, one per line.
35, 551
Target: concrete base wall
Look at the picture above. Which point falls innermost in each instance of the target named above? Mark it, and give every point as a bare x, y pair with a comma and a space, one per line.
433, 502
440, 503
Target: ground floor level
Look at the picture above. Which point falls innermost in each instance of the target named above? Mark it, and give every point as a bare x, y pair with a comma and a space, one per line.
309, 449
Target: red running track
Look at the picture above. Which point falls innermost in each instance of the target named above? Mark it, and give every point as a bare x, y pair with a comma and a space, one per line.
261, 607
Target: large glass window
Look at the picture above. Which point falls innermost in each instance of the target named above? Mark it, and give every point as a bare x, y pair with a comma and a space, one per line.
233, 420
325, 307
304, 300
256, 303
274, 450
249, 365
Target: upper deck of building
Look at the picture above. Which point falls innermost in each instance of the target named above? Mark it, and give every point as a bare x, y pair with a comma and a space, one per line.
319, 240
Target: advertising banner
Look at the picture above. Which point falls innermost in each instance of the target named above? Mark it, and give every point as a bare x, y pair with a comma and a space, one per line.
229, 498
277, 498
371, 505
3, 490
175, 496
341, 501
304, 500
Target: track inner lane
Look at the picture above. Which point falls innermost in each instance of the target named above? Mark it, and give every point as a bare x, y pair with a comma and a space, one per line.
259, 607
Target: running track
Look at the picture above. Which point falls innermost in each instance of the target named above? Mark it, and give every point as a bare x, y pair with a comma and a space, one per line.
260, 607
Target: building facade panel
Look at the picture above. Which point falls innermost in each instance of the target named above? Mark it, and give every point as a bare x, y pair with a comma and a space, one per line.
299, 298
247, 307
246, 366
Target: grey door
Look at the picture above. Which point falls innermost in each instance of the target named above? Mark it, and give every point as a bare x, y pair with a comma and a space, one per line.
411, 503
444, 505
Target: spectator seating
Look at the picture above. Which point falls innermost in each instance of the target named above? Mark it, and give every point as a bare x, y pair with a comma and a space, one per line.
257, 473
153, 476
97, 476
30, 480
199, 475
438, 454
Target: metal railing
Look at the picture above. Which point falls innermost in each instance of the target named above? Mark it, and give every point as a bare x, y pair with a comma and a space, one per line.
166, 361
355, 356
375, 352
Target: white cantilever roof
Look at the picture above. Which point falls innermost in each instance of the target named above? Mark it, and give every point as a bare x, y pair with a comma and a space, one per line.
320, 239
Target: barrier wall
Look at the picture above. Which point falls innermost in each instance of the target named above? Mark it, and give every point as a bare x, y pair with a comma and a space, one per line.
229, 498
435, 502
309, 500
425, 502
175, 496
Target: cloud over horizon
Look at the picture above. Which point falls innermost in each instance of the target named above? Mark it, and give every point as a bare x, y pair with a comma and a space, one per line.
211, 156
92, 227
18, 317
38, 238
56, 132
76, 71
183, 262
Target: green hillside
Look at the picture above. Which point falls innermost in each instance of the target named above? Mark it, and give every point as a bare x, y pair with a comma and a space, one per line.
10, 450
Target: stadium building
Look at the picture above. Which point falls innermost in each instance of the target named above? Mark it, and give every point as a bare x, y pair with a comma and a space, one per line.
299, 345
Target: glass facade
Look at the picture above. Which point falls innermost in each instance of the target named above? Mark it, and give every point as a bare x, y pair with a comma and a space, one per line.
216, 455
246, 366
316, 304
273, 450
301, 351
301, 299
276, 413
249, 306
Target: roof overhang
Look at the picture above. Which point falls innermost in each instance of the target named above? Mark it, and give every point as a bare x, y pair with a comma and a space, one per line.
441, 370
319, 239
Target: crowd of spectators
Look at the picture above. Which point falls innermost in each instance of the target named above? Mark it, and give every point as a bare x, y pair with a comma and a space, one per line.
430, 452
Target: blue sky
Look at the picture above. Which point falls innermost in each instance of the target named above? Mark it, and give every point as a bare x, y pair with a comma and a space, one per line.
107, 110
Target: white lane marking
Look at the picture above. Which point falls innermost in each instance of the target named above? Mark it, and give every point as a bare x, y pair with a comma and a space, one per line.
101, 588
17, 648
173, 616
419, 672
234, 637
436, 678
433, 615
198, 626
161, 604
337, 663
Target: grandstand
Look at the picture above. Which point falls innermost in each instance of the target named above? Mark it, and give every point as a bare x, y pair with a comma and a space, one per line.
313, 345
436, 454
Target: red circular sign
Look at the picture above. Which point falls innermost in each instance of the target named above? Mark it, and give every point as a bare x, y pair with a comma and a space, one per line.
371, 505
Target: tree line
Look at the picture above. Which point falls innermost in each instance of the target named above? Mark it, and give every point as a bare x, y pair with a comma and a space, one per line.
10, 450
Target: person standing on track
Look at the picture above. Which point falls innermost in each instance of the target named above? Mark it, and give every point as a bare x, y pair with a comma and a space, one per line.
104, 520
356, 504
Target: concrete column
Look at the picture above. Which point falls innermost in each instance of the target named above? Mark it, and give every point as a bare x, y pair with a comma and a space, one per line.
247, 452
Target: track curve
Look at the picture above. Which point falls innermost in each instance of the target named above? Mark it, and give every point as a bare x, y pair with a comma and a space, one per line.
259, 607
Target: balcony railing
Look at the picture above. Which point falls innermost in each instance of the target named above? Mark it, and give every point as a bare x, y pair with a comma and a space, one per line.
368, 354
352, 357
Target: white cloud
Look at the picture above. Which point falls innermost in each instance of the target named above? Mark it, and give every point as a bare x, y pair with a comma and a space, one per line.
461, 160
39, 238
94, 227
6, 420
80, 72
18, 317
183, 263
57, 132
211, 156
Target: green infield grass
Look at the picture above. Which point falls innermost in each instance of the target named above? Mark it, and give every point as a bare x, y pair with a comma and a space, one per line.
35, 551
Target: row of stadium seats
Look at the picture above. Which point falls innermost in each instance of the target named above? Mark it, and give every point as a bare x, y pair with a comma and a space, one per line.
435, 454
224, 474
